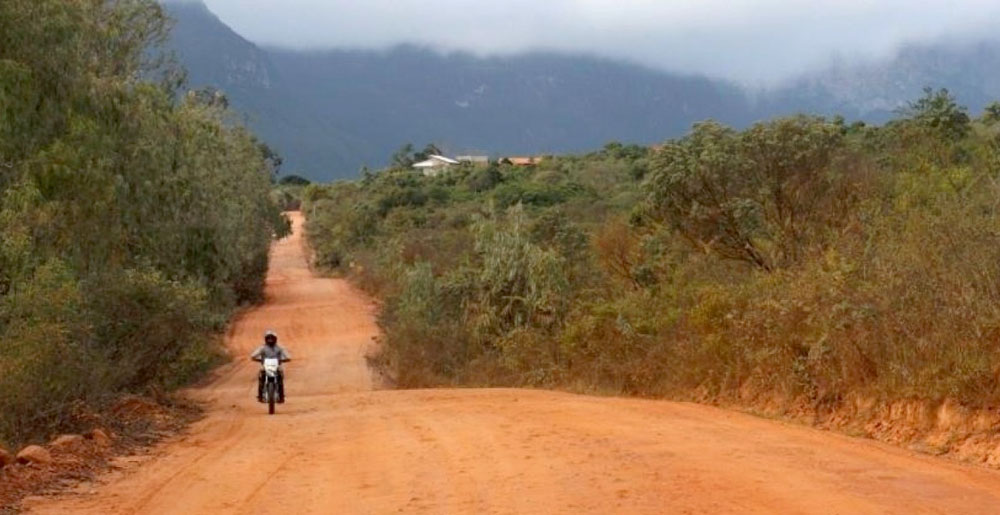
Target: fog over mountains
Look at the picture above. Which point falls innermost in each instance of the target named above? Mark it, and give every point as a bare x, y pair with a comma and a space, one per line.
331, 112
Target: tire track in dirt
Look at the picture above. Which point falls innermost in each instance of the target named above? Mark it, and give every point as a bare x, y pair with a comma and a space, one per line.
338, 446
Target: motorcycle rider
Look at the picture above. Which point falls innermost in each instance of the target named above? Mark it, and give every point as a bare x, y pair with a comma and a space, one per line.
271, 350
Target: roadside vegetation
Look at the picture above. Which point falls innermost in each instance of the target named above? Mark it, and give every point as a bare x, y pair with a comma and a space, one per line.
802, 260
287, 193
134, 218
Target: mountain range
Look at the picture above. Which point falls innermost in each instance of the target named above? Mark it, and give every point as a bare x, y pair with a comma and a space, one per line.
329, 113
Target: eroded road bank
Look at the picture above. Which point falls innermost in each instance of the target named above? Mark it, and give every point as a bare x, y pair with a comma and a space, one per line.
338, 446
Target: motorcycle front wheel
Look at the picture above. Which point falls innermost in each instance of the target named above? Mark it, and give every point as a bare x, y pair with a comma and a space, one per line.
271, 394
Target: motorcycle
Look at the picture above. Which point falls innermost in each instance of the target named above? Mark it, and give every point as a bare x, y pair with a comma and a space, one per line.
271, 367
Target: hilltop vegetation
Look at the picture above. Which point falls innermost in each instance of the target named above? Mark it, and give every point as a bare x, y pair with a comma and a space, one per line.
132, 221
802, 260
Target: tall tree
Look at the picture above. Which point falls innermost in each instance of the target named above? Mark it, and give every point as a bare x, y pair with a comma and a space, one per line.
939, 112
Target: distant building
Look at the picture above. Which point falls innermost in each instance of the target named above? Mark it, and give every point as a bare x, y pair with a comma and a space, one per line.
479, 160
434, 165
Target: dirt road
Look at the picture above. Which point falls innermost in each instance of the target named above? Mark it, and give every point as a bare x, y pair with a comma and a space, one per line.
339, 447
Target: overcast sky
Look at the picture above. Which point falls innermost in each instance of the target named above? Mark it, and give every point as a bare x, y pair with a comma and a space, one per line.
751, 41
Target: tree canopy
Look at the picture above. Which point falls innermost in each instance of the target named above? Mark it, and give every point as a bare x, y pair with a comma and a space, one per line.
133, 218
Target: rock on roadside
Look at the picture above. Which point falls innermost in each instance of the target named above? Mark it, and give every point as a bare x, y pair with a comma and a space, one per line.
6, 458
100, 437
34, 454
66, 442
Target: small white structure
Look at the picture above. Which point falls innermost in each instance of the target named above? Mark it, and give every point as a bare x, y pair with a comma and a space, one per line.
434, 165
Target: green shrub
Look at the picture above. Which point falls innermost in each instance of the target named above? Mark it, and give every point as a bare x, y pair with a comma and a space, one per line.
144, 323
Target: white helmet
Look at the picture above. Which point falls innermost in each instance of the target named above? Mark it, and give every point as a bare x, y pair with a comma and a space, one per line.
270, 335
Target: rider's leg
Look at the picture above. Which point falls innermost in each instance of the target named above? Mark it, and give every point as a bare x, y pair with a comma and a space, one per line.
260, 386
281, 386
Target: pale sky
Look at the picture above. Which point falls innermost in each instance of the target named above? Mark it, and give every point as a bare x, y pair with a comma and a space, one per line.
750, 41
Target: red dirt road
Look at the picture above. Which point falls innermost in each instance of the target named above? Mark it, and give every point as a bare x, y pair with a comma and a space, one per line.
339, 447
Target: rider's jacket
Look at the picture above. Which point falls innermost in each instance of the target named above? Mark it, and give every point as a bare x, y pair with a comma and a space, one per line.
267, 352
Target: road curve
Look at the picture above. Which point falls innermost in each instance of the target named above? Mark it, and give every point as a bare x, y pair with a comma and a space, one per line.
337, 446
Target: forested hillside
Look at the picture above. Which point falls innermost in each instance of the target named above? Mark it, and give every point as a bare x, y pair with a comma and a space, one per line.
799, 263
133, 220
329, 113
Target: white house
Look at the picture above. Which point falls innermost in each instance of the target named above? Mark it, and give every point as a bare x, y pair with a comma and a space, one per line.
434, 164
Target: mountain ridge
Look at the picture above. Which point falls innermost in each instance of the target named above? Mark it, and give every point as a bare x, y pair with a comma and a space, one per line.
332, 112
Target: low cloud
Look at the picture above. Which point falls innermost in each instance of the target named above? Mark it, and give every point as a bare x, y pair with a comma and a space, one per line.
751, 41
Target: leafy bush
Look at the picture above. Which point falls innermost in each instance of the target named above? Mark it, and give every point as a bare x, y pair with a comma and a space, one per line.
143, 323
48, 363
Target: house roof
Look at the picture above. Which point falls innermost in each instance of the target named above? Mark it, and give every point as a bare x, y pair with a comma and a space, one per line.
435, 161
444, 159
